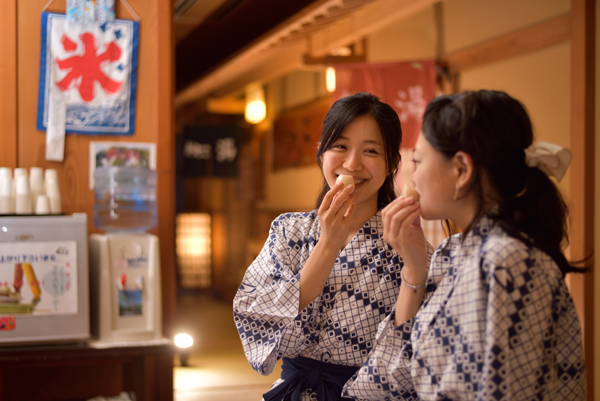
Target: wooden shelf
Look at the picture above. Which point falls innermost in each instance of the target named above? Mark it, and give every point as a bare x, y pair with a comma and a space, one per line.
80, 371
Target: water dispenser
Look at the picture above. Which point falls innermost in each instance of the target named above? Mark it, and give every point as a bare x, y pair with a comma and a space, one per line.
124, 262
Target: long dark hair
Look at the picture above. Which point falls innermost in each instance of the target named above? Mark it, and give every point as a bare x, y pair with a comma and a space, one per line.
342, 113
495, 129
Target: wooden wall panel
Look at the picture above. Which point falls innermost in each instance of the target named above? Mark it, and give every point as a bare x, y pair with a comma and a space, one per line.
154, 122
8, 83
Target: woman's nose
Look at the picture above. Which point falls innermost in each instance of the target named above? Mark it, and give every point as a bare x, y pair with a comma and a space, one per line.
353, 162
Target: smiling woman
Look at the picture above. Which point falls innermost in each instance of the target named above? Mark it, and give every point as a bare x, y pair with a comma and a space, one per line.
358, 153
325, 279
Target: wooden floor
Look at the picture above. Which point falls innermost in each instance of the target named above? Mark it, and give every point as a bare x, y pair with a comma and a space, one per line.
217, 368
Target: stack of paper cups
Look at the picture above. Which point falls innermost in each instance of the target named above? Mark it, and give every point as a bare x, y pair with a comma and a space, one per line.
6, 196
23, 204
36, 182
5, 172
53, 193
18, 173
48, 174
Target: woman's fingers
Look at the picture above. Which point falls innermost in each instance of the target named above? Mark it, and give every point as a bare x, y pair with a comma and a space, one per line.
340, 198
337, 203
397, 212
328, 198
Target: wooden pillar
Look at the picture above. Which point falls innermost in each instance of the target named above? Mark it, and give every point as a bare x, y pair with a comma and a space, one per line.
582, 168
165, 143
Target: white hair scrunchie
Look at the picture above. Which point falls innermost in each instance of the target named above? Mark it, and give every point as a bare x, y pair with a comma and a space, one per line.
552, 159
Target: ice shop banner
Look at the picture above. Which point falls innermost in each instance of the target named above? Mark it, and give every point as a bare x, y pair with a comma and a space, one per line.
93, 67
408, 87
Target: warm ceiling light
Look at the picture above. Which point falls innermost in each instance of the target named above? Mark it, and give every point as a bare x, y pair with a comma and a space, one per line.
256, 109
330, 79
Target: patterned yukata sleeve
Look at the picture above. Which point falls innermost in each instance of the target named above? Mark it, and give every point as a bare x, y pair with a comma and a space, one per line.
267, 301
386, 375
533, 347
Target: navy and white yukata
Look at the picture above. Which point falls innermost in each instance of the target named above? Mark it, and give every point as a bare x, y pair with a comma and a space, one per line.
339, 326
497, 323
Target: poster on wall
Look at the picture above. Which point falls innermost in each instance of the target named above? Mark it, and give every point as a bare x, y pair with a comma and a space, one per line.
406, 86
38, 278
121, 154
93, 68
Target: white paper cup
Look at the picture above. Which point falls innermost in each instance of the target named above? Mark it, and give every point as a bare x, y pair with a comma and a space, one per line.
18, 173
22, 186
50, 174
6, 206
42, 205
7, 203
5, 172
55, 204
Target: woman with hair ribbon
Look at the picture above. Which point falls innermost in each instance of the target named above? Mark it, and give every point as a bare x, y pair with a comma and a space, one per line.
325, 279
490, 318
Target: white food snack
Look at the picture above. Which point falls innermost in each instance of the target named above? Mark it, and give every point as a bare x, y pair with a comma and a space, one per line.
345, 179
407, 192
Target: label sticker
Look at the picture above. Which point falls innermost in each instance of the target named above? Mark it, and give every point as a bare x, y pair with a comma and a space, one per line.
130, 302
7, 323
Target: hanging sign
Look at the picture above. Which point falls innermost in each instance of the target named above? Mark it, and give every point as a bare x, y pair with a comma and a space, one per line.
407, 86
93, 69
210, 151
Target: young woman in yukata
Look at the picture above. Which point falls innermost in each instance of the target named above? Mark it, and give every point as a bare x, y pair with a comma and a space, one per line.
325, 279
491, 319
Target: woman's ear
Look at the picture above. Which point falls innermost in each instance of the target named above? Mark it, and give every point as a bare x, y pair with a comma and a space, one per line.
463, 168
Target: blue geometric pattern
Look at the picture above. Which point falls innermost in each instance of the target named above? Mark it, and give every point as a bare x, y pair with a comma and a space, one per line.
339, 326
497, 323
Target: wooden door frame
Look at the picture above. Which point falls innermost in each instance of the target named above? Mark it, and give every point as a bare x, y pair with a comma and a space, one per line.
583, 55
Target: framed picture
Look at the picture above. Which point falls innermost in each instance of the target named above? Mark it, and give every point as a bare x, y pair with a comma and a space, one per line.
104, 154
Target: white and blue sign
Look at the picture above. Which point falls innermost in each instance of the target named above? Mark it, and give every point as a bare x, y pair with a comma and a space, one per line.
93, 67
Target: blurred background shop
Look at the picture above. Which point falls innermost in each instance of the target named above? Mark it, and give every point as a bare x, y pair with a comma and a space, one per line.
226, 99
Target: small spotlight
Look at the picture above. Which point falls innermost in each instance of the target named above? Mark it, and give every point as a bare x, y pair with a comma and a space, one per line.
183, 342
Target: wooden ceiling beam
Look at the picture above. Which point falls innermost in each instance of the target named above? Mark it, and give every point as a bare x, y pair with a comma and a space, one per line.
270, 57
522, 41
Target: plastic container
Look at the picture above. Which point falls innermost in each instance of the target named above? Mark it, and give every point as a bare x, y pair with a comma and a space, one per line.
125, 199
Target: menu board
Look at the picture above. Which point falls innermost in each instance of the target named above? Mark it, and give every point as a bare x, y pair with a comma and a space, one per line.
38, 278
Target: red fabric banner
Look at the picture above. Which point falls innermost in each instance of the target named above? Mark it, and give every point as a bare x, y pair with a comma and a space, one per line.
407, 87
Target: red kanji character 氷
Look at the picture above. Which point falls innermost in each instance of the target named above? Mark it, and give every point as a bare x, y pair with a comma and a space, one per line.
87, 66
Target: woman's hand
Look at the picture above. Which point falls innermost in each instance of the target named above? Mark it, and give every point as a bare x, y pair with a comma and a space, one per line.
335, 214
402, 230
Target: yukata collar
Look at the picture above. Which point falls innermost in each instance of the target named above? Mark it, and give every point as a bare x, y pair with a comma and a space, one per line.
482, 228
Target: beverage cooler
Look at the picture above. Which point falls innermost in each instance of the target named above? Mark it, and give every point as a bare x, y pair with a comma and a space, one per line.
44, 283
